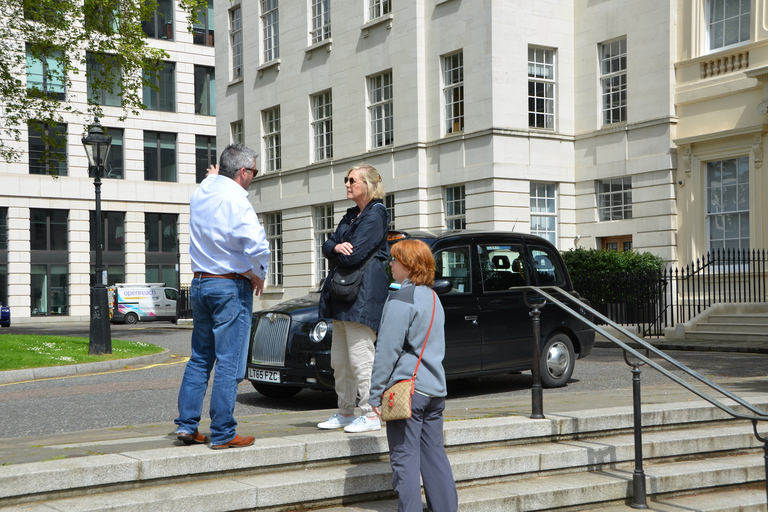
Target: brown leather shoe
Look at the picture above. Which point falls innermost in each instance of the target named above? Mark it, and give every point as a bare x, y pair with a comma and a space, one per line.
236, 442
196, 438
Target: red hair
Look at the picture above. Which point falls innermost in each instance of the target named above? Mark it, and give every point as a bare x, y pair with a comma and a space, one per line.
417, 258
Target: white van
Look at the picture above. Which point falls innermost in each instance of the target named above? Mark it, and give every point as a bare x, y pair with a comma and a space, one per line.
142, 302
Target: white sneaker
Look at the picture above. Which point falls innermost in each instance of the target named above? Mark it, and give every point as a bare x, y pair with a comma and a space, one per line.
336, 421
364, 424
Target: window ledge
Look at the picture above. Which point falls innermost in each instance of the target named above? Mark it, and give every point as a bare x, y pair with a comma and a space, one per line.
385, 147
236, 80
320, 44
454, 135
438, 2
274, 63
387, 18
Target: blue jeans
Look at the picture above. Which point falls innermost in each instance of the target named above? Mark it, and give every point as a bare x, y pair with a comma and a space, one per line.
221, 309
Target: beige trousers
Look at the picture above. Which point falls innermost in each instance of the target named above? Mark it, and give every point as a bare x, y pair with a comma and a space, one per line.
352, 353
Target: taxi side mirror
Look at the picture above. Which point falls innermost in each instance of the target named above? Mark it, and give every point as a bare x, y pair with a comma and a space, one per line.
442, 286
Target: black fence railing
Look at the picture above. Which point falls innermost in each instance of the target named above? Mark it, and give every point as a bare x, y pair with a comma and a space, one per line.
656, 300
184, 304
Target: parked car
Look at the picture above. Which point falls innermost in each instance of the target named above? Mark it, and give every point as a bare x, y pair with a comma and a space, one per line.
5, 315
488, 328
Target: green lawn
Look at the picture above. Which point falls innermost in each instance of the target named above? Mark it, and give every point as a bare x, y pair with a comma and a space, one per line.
18, 351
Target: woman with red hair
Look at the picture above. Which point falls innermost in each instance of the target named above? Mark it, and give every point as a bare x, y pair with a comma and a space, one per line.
415, 444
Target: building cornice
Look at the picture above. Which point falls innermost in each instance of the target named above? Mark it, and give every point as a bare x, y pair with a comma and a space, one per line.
713, 136
350, 160
625, 127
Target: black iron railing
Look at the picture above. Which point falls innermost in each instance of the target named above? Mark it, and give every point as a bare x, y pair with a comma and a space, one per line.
183, 303
657, 300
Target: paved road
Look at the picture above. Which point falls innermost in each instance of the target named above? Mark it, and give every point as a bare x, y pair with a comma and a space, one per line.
147, 395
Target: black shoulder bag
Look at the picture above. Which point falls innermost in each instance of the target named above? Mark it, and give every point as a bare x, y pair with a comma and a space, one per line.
346, 281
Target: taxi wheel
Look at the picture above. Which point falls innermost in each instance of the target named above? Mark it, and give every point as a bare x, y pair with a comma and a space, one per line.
557, 361
272, 391
131, 318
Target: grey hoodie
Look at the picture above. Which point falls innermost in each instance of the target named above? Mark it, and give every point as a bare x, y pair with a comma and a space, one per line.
404, 324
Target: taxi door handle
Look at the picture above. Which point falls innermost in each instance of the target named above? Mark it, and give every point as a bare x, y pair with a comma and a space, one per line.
471, 318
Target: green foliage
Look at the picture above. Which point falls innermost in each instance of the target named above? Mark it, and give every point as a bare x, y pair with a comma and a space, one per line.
610, 277
59, 34
34, 351
582, 261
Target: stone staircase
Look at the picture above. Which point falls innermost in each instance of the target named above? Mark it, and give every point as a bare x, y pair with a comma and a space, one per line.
725, 323
695, 458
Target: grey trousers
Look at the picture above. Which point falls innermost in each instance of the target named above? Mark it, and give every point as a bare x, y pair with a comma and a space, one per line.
416, 447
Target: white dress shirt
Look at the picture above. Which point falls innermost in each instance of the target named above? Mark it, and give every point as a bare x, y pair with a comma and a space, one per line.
225, 234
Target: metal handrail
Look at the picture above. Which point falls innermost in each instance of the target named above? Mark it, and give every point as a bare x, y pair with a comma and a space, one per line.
760, 415
638, 479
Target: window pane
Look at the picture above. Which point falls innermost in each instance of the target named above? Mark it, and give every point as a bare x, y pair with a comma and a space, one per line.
167, 88
38, 230
205, 87
205, 155
39, 289
56, 160
115, 231
115, 165
454, 265
152, 232
169, 233
59, 290
58, 227
728, 23
728, 203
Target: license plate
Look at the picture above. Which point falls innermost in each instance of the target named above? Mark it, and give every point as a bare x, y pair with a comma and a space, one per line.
264, 375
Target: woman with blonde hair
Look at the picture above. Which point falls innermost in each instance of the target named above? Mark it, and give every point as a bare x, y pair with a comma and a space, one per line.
415, 444
359, 242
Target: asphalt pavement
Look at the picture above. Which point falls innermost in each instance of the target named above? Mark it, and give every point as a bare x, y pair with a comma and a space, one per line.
20, 450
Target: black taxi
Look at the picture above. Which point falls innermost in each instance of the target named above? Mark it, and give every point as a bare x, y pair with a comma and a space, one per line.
488, 328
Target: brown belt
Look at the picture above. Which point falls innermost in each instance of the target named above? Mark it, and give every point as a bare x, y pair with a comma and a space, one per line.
231, 275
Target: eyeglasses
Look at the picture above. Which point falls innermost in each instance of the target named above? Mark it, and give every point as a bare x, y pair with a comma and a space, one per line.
351, 181
254, 170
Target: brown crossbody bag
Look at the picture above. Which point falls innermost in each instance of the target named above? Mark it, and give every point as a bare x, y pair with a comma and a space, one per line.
396, 400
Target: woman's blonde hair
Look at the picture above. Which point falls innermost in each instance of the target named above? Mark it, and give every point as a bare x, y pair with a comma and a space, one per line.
372, 180
417, 258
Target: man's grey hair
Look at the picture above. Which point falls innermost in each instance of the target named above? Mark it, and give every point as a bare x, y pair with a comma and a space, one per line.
234, 158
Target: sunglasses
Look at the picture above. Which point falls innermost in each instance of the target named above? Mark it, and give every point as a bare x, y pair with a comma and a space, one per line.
254, 170
351, 181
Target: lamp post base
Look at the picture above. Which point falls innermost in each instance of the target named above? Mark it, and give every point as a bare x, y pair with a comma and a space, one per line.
100, 339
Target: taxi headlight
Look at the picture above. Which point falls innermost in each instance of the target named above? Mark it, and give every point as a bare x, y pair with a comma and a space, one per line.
318, 332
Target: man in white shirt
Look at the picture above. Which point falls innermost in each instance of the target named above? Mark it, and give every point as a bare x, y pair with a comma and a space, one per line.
230, 255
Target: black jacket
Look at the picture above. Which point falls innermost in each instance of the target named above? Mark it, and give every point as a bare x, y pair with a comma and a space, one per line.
367, 232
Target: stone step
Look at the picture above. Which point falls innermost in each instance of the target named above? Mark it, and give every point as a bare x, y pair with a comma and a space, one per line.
585, 491
581, 490
147, 467
317, 485
338, 466
726, 327
749, 499
725, 336
758, 319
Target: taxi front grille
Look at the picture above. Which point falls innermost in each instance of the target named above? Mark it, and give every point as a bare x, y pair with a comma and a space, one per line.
269, 339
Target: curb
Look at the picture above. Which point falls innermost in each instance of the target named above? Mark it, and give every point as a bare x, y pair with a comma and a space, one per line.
49, 372
666, 345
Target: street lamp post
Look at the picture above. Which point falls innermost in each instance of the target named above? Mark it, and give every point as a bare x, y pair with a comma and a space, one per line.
97, 148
